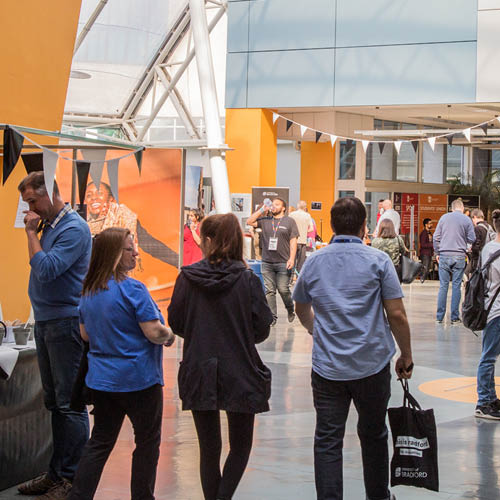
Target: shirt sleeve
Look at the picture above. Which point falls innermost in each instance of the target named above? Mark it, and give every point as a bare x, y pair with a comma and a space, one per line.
294, 230
301, 292
262, 316
436, 239
471, 235
144, 306
391, 288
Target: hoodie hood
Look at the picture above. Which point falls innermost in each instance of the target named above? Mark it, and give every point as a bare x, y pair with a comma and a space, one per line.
214, 278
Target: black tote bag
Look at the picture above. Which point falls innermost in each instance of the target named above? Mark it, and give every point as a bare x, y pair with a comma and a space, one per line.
410, 269
415, 459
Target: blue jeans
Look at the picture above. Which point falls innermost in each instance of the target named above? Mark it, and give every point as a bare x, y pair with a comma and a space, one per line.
332, 400
276, 275
451, 268
486, 392
59, 349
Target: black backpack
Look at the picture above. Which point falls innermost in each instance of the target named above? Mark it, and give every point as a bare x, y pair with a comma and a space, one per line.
474, 313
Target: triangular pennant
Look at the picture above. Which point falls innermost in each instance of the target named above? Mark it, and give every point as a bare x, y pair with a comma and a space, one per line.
138, 159
432, 142
397, 145
113, 177
49, 170
467, 134
415, 145
381, 146
333, 139
96, 158
484, 127
82, 173
275, 117
288, 125
303, 130
348, 144
12, 146
449, 138
318, 136
33, 162
365, 145
498, 119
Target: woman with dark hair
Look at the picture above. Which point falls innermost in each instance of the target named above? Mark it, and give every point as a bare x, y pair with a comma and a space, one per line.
218, 306
389, 242
192, 241
125, 330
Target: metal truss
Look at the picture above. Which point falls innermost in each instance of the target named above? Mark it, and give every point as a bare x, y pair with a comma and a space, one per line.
161, 69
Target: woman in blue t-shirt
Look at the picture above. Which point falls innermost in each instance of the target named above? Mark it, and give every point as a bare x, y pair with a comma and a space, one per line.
125, 330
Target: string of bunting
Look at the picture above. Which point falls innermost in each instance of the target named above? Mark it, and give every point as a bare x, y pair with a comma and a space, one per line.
381, 143
92, 163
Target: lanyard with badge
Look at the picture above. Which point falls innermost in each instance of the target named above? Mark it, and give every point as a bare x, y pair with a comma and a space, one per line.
273, 241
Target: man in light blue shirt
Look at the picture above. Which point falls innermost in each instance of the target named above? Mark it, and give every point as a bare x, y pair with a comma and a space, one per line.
349, 298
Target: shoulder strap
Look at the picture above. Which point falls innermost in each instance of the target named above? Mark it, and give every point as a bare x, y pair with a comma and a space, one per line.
490, 260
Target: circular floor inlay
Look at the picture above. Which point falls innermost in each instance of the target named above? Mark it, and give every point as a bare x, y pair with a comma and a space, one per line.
462, 389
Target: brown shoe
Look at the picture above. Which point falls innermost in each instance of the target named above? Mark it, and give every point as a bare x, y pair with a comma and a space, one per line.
37, 486
58, 492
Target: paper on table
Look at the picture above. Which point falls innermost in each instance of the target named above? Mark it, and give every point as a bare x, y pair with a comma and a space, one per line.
21, 207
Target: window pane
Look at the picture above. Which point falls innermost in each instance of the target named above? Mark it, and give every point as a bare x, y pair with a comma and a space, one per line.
454, 162
406, 163
433, 163
379, 166
347, 160
371, 203
345, 194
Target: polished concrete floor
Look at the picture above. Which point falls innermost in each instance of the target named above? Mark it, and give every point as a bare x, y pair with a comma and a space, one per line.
281, 464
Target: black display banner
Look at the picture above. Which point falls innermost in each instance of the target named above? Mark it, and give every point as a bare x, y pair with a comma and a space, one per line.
33, 162
82, 172
12, 146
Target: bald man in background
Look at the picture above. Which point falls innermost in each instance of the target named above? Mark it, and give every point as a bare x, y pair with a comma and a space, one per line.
304, 224
389, 213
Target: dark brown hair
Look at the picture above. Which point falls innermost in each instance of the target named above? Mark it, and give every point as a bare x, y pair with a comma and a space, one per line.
347, 216
221, 238
198, 213
107, 250
36, 181
386, 229
496, 220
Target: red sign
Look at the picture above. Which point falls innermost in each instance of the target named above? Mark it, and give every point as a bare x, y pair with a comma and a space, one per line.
431, 206
403, 203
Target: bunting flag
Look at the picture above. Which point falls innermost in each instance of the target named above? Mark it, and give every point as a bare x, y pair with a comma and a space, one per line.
138, 159
96, 158
12, 146
484, 127
303, 130
397, 145
415, 145
365, 145
348, 144
466, 132
113, 177
449, 138
275, 117
432, 142
82, 173
288, 125
333, 139
381, 146
33, 162
318, 136
49, 170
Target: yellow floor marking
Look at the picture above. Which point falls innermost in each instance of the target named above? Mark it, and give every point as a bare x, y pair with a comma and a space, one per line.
462, 389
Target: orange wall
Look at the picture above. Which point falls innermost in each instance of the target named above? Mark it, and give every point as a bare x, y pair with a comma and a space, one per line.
253, 136
37, 40
317, 182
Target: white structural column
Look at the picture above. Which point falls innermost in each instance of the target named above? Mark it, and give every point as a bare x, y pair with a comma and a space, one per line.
215, 144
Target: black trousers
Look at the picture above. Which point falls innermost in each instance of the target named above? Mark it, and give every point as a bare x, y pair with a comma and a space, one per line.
216, 486
300, 258
144, 408
426, 262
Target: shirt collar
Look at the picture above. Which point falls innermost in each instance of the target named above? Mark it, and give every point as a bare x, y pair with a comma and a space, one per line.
66, 210
355, 239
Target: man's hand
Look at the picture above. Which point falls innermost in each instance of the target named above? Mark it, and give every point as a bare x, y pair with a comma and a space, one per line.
289, 264
31, 221
437, 259
404, 367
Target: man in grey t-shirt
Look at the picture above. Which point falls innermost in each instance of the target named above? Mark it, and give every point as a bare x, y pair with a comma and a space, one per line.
279, 246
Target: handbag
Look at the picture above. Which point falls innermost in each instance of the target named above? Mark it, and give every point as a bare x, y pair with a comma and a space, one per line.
415, 458
410, 269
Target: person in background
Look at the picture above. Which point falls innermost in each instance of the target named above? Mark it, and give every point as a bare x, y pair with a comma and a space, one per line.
311, 236
426, 248
192, 240
279, 247
453, 234
488, 404
219, 308
59, 260
351, 318
482, 230
125, 331
389, 213
304, 225
380, 209
390, 243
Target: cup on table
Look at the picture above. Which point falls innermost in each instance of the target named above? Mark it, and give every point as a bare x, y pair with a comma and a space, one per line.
21, 335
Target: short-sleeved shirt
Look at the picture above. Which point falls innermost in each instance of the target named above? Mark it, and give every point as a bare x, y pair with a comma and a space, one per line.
284, 229
304, 222
393, 247
346, 284
121, 358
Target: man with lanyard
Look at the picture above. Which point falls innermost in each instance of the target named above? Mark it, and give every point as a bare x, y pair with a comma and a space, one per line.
59, 262
349, 298
279, 247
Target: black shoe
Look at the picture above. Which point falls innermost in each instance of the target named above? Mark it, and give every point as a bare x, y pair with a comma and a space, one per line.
37, 486
495, 405
274, 322
291, 317
456, 321
487, 411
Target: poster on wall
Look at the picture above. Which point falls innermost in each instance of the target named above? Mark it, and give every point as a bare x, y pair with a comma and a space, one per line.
241, 206
259, 194
403, 203
149, 206
431, 206
193, 190
471, 201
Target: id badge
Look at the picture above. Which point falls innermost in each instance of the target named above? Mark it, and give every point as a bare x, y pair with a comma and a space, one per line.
273, 244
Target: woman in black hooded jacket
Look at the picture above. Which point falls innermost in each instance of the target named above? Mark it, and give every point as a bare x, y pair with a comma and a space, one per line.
218, 306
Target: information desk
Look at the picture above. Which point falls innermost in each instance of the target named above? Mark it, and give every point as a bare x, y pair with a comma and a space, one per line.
25, 427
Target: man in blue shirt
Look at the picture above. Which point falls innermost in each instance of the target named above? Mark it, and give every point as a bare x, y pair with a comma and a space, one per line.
349, 298
59, 262
454, 233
